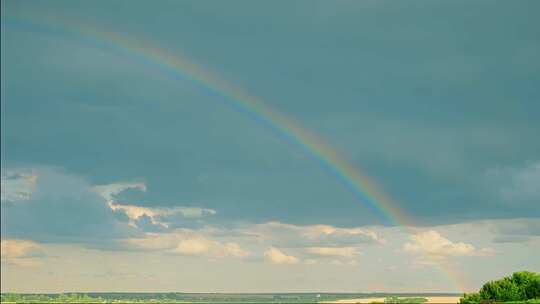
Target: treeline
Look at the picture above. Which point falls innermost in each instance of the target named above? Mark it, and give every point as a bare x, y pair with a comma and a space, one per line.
128, 297
50, 298
175, 297
520, 287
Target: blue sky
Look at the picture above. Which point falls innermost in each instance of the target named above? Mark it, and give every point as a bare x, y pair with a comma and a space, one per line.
436, 102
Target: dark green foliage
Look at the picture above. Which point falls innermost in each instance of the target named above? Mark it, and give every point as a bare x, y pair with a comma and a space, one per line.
471, 298
521, 286
529, 283
502, 290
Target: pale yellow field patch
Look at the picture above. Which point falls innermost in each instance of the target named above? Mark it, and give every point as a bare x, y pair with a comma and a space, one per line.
433, 300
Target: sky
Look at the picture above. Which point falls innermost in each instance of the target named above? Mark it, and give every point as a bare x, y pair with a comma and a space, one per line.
121, 172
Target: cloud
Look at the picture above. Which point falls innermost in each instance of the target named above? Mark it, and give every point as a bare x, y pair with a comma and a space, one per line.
343, 263
527, 227
62, 208
20, 252
342, 252
148, 224
203, 246
65, 208
160, 216
313, 244
511, 239
188, 242
17, 185
276, 256
517, 184
435, 246
18, 249
152, 217
110, 191
288, 235
516, 230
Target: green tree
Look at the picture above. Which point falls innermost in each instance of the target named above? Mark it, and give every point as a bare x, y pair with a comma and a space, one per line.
520, 286
470, 298
529, 283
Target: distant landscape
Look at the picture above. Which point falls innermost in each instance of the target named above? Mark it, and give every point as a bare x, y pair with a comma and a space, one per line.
178, 297
520, 287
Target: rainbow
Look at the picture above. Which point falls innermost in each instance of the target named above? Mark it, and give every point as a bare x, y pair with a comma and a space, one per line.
180, 68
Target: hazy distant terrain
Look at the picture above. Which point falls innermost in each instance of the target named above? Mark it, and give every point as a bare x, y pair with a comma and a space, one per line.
210, 297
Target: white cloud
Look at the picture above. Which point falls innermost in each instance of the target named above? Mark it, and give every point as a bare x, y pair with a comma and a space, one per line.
204, 246
313, 244
17, 185
134, 212
20, 252
435, 246
288, 235
155, 214
17, 248
188, 242
109, 191
343, 263
342, 252
324, 231
276, 256
155, 241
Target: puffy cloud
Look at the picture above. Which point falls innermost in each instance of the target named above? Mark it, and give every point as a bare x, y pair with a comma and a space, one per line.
188, 242
288, 235
18, 248
17, 185
435, 246
20, 252
276, 256
312, 243
342, 252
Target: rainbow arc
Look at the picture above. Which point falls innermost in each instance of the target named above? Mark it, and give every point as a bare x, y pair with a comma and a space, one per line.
180, 68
